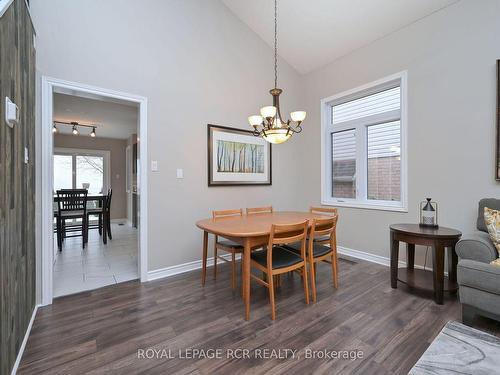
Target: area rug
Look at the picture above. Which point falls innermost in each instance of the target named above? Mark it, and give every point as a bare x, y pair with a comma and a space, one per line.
459, 349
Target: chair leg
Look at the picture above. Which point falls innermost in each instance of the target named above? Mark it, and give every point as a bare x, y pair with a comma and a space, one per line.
271, 297
108, 222
215, 262
100, 224
59, 234
84, 231
335, 269
233, 270
306, 286
313, 281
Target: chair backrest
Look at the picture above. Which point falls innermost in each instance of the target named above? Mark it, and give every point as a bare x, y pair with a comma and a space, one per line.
259, 210
227, 213
324, 227
108, 200
492, 203
323, 210
72, 200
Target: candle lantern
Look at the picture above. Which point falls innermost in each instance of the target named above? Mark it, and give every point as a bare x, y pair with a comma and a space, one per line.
428, 213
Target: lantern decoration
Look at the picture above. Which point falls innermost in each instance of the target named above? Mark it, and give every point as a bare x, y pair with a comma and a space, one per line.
428, 213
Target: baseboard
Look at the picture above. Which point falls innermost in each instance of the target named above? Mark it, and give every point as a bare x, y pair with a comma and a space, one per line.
25, 340
184, 267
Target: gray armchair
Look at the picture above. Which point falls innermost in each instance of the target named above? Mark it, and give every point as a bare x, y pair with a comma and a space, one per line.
479, 282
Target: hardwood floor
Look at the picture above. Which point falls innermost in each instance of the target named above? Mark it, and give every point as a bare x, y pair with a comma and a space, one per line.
100, 331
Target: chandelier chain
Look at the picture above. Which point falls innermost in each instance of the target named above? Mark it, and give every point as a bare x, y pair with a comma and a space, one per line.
275, 43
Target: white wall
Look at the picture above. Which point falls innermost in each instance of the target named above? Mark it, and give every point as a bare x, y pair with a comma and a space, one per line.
450, 57
197, 64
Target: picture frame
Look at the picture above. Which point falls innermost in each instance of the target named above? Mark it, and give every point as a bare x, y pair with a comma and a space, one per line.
235, 157
497, 158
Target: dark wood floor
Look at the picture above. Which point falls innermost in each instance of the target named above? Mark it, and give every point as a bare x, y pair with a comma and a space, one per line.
101, 331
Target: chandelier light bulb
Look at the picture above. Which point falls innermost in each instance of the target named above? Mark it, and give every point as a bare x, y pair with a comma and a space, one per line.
75, 130
255, 120
298, 116
268, 111
92, 133
54, 129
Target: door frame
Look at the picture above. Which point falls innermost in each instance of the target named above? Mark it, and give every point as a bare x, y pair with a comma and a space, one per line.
49, 84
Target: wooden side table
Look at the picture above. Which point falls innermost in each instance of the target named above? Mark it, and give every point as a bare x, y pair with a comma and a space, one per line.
437, 238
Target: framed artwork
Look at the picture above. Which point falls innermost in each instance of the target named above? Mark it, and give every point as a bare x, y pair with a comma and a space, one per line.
236, 157
497, 159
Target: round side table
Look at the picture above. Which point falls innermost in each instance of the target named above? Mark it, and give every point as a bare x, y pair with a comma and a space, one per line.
438, 239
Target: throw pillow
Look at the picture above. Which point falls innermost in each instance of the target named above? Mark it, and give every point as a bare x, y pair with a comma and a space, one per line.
492, 221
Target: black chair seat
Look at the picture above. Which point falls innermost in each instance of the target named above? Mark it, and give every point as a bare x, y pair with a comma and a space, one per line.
229, 243
281, 257
321, 238
318, 250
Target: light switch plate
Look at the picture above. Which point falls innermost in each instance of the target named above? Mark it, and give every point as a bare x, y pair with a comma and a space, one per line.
154, 165
180, 173
26, 156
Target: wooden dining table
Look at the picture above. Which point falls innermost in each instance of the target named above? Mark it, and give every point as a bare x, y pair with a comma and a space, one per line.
251, 231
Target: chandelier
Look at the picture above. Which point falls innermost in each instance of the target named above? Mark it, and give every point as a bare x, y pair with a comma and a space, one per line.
269, 124
74, 125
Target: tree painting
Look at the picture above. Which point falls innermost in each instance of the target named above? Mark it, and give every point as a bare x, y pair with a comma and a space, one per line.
236, 157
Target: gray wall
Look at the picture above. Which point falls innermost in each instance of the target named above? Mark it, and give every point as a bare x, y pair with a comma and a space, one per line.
197, 64
117, 162
450, 57
17, 183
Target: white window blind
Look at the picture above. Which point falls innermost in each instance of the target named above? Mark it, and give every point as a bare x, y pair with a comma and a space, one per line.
380, 102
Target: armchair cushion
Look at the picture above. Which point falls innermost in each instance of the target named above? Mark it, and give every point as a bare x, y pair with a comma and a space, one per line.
479, 275
476, 246
486, 202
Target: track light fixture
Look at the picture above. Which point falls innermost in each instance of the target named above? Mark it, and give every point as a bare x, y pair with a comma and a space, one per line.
74, 127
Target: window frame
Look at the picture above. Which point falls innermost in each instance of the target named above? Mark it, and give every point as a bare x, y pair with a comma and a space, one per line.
327, 128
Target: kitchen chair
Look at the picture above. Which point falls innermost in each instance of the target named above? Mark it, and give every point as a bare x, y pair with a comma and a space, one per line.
103, 215
323, 240
276, 259
227, 245
71, 205
317, 252
259, 210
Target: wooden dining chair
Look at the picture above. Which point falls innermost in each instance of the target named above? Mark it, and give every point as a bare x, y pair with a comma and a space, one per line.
317, 252
71, 204
276, 259
227, 245
103, 215
259, 210
323, 240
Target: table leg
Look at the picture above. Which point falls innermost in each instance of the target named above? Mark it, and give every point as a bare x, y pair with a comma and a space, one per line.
246, 277
438, 272
394, 261
452, 264
204, 261
410, 256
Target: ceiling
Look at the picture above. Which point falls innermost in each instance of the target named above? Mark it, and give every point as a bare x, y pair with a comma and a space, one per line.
112, 119
313, 33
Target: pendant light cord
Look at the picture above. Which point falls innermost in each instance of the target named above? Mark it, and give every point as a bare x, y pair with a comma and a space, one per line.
275, 43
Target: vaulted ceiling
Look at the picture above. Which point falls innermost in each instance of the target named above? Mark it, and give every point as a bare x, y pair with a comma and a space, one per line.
313, 33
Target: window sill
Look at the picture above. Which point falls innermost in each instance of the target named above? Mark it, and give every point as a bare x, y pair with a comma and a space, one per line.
365, 205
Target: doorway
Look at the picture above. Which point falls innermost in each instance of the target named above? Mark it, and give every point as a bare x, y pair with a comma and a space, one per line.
87, 168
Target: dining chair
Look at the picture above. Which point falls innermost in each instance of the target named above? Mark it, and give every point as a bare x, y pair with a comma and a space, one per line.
276, 259
71, 205
103, 215
259, 210
317, 252
227, 245
324, 240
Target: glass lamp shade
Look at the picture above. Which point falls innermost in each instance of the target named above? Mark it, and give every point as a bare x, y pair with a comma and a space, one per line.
298, 116
255, 120
268, 111
277, 135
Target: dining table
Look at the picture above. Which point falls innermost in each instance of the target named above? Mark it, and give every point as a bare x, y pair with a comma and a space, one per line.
96, 200
252, 232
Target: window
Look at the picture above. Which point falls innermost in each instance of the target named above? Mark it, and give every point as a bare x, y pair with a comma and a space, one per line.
363, 139
75, 169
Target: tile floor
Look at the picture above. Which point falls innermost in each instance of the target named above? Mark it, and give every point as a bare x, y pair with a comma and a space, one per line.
98, 265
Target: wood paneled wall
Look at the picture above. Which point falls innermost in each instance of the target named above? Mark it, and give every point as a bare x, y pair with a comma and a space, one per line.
17, 182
